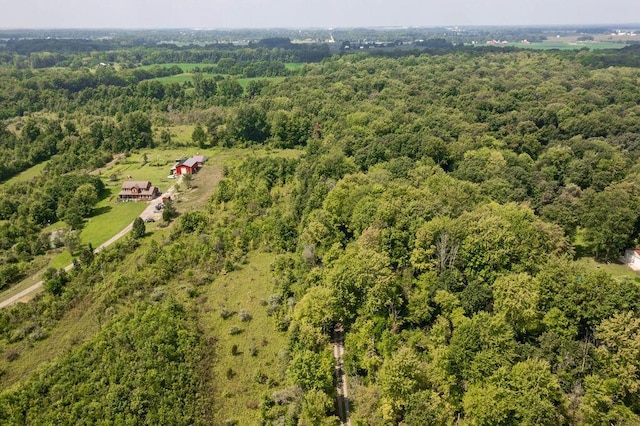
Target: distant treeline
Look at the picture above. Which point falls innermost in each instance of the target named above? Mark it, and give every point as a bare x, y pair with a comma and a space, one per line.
62, 51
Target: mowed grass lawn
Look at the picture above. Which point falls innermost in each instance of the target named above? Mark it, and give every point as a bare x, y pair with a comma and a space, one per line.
160, 161
110, 218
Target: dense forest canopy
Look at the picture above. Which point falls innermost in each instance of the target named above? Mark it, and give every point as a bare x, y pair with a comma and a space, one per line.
434, 210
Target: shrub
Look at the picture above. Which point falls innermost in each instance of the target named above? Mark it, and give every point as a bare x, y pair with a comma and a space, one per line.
260, 377
226, 313
244, 315
12, 355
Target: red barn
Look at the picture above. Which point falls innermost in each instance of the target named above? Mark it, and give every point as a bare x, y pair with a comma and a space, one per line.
188, 167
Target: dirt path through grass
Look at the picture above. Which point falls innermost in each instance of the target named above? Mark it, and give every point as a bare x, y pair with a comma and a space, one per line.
342, 392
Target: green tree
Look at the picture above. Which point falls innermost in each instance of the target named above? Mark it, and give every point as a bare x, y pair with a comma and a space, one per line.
400, 377
55, 281
230, 88
479, 346
516, 297
165, 137
85, 197
428, 408
249, 124
319, 308
526, 394
135, 131
609, 218
73, 216
138, 229
72, 240
169, 211
315, 408
619, 351
213, 124
187, 179
198, 136
312, 370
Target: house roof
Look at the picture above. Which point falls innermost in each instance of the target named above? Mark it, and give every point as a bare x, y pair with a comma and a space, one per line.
191, 162
130, 184
200, 158
145, 188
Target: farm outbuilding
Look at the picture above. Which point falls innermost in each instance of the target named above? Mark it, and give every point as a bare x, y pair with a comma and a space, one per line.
189, 166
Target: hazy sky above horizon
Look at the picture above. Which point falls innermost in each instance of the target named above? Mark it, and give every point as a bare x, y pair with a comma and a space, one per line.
309, 13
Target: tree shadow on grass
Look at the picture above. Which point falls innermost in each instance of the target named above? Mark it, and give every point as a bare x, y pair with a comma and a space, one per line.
101, 210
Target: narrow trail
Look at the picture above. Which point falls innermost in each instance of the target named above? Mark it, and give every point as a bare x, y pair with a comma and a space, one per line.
147, 213
342, 391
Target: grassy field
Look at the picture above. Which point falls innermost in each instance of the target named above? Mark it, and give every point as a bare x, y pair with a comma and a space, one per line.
243, 377
180, 78
616, 269
26, 175
110, 218
294, 66
245, 81
75, 327
186, 67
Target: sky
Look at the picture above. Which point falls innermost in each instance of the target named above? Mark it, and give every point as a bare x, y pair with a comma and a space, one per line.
310, 13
